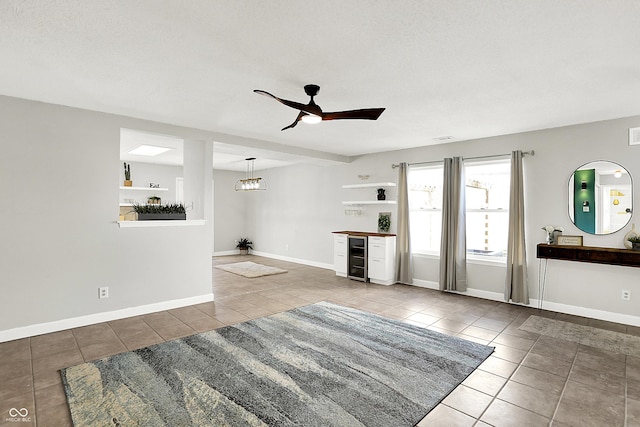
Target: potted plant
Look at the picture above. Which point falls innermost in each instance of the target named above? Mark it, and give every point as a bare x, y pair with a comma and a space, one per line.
635, 242
154, 200
244, 245
160, 212
384, 222
127, 175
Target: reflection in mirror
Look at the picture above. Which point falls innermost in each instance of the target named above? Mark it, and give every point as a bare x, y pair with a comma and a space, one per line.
600, 197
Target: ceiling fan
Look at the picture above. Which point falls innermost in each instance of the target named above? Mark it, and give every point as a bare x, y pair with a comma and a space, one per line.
312, 113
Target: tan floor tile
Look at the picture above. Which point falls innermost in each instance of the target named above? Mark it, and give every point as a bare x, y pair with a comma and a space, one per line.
554, 351
498, 366
51, 396
633, 389
16, 385
633, 412
485, 382
204, 324
451, 325
598, 379
468, 401
547, 364
513, 341
494, 325
508, 353
19, 401
172, 332
584, 406
482, 333
57, 361
54, 416
541, 402
423, 319
504, 414
15, 368
538, 379
444, 416
15, 350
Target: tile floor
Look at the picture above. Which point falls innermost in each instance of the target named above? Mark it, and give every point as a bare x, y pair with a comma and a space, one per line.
530, 380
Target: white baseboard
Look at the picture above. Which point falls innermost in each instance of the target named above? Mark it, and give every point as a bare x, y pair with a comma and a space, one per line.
546, 305
425, 284
226, 253
90, 319
295, 260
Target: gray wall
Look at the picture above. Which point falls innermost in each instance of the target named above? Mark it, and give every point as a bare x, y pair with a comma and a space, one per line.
60, 173
303, 206
230, 211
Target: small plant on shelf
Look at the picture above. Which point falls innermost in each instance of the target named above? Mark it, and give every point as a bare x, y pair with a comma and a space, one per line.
127, 175
635, 242
384, 222
154, 200
244, 245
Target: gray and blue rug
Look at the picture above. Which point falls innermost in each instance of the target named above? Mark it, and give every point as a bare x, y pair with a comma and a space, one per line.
318, 365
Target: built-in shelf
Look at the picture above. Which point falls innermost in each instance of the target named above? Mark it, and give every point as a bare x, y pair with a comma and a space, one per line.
370, 202
596, 255
144, 188
173, 223
370, 185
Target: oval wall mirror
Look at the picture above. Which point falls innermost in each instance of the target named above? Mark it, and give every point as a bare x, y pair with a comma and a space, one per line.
600, 197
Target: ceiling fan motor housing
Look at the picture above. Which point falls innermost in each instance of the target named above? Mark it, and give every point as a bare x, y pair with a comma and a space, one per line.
311, 90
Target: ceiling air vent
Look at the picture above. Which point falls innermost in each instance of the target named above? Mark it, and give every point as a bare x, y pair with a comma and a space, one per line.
634, 136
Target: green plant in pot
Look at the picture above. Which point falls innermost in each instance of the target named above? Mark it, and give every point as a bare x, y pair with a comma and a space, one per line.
384, 222
244, 245
173, 211
635, 242
127, 175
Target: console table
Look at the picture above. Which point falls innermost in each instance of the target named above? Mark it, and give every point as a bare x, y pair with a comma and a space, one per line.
596, 255
591, 254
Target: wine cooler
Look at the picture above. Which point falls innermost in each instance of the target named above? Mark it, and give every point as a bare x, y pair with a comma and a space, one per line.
357, 257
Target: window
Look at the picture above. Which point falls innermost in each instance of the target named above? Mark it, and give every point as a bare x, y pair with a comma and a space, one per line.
425, 208
487, 192
487, 204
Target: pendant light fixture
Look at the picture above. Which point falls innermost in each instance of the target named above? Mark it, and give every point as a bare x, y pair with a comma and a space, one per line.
251, 183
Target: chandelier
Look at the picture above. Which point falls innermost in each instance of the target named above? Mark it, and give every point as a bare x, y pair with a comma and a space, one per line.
251, 183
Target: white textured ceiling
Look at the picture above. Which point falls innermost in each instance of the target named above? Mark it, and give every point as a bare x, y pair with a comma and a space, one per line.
468, 69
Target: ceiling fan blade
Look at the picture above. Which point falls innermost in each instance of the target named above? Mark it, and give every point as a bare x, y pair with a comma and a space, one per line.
363, 114
292, 125
311, 108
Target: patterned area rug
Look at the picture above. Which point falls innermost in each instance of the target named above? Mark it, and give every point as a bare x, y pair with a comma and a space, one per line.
250, 269
318, 365
616, 342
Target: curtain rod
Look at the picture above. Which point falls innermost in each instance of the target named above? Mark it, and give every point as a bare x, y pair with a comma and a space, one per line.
493, 156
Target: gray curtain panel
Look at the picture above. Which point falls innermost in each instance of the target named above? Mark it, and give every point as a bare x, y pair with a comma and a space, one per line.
453, 245
404, 273
516, 288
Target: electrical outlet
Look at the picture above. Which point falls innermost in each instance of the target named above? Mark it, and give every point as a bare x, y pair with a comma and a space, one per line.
103, 292
626, 295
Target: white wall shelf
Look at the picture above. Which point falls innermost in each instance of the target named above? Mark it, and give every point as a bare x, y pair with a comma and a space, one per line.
171, 223
144, 188
370, 185
370, 202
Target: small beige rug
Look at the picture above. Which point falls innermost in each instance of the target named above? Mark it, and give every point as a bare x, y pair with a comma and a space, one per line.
616, 342
250, 269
